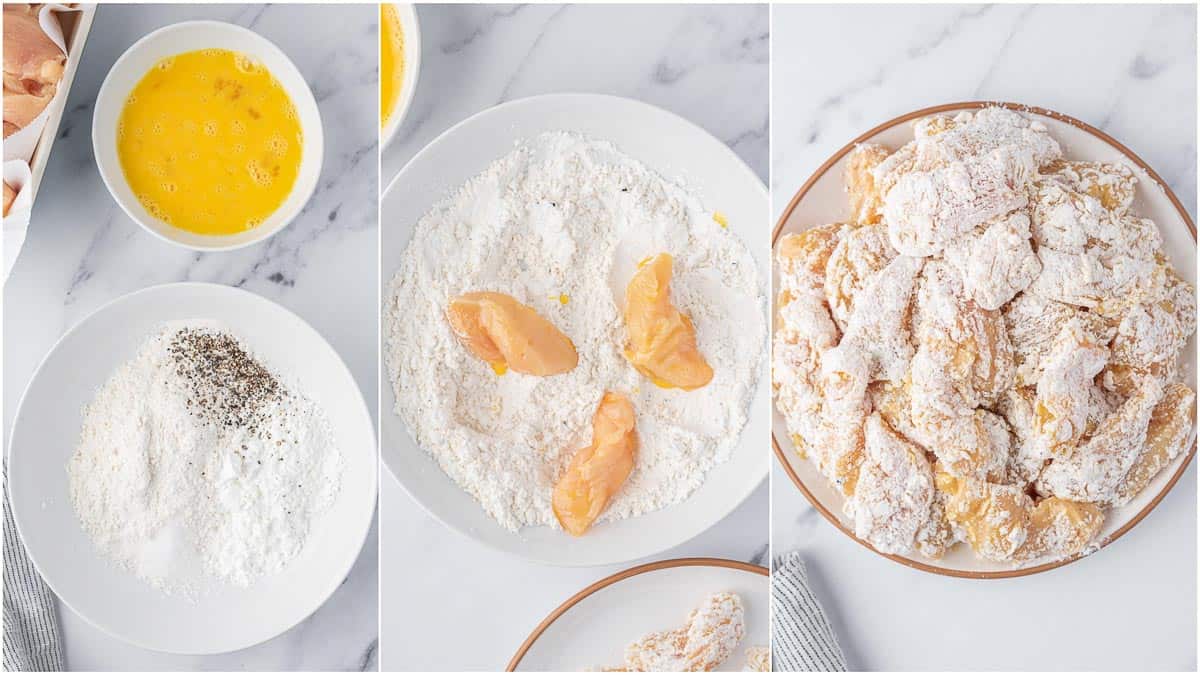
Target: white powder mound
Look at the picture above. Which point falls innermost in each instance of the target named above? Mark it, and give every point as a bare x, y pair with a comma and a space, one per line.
196, 465
565, 217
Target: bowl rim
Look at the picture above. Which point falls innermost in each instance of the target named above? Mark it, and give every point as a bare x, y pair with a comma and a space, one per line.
314, 143
336, 581
621, 576
412, 69
781, 456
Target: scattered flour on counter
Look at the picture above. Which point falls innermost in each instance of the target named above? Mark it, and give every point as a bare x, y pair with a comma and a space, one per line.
564, 217
197, 463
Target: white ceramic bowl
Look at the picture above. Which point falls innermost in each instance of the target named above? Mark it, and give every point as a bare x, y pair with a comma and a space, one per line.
822, 199
412, 69
185, 37
673, 147
46, 430
591, 629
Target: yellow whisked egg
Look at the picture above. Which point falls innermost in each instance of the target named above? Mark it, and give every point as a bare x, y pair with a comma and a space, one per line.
210, 142
391, 61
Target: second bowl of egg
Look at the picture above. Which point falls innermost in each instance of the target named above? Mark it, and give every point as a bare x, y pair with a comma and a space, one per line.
208, 136
399, 65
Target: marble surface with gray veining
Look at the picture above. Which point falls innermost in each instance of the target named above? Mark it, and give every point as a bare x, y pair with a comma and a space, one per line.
82, 251
449, 603
1130, 71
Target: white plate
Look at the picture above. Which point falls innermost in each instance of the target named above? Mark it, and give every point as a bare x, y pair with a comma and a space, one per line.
412, 68
666, 143
185, 37
825, 202
591, 629
46, 430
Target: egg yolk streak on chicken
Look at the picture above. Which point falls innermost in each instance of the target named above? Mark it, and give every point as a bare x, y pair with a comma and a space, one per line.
391, 61
210, 142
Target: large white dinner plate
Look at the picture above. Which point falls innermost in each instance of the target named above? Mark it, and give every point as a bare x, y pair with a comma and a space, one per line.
666, 143
822, 199
47, 428
591, 629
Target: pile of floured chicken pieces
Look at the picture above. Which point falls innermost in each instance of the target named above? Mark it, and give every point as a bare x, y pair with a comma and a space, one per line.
704, 643
661, 345
33, 68
988, 352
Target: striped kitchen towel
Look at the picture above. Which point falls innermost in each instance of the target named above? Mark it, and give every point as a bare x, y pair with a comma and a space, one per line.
801, 637
31, 639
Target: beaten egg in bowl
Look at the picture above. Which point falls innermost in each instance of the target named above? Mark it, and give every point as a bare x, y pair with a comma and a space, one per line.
210, 142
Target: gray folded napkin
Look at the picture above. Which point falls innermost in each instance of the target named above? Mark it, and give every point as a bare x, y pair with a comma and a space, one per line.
801, 637
31, 638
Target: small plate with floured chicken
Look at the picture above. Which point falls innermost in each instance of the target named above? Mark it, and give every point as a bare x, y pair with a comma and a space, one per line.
983, 356
683, 615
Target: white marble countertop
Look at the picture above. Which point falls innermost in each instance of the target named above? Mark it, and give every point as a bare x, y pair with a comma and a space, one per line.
1130, 71
82, 251
449, 603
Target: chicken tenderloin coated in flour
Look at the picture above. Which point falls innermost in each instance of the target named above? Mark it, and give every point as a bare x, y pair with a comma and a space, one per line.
1038, 381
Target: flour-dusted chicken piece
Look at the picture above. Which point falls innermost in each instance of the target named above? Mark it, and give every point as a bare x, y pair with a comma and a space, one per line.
33, 67
1095, 470
1091, 256
1028, 454
802, 257
975, 339
860, 254
995, 260
844, 380
936, 535
758, 659
1059, 528
974, 169
866, 200
891, 502
1088, 279
710, 636
992, 518
1065, 389
879, 326
1113, 184
963, 362
1171, 431
1033, 322
804, 332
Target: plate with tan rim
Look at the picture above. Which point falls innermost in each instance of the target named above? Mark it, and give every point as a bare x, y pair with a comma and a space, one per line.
822, 199
591, 629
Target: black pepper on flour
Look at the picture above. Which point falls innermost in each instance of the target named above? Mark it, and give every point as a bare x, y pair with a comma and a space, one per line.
230, 388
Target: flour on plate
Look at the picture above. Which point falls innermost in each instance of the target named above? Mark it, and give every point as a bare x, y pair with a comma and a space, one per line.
560, 224
197, 463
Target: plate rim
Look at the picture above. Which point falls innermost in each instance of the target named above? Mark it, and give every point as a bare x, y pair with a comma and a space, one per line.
820, 172
621, 576
17, 521
385, 376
